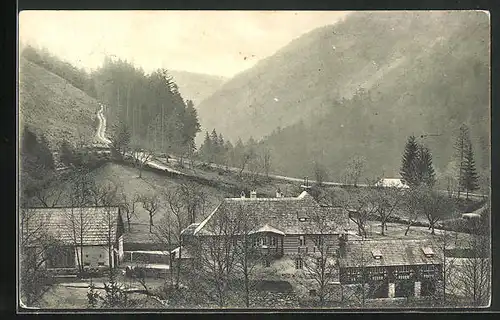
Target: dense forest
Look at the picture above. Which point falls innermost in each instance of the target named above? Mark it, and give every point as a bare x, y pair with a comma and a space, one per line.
148, 105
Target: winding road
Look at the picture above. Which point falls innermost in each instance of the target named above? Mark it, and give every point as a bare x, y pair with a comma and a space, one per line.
101, 127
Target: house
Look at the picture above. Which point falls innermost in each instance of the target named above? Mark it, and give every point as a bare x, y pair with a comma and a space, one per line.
281, 228
392, 268
392, 183
91, 237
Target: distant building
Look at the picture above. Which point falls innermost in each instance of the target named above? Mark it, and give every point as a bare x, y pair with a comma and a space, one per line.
391, 183
283, 227
392, 268
102, 233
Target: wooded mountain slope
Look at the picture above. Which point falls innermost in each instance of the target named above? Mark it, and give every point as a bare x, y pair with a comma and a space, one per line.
361, 87
196, 86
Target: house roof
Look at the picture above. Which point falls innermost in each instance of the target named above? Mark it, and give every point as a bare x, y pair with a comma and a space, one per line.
268, 228
66, 224
392, 182
185, 253
392, 252
189, 230
281, 215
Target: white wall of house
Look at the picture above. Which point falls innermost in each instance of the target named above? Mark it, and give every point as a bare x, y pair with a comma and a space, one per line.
120, 248
94, 255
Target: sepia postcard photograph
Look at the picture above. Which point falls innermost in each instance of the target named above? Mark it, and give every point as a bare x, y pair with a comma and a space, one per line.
253, 160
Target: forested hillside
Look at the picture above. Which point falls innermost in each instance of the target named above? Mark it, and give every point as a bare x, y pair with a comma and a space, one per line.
149, 105
359, 89
196, 86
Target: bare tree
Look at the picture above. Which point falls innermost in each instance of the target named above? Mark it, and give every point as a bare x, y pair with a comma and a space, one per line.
354, 170
320, 174
77, 218
214, 260
194, 199
48, 195
247, 256
361, 206
320, 265
474, 278
37, 246
435, 207
178, 207
151, 204
128, 205
389, 200
414, 198
141, 157
266, 157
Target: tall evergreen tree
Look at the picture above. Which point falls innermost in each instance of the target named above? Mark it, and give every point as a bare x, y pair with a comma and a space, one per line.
425, 171
206, 147
469, 181
462, 143
409, 170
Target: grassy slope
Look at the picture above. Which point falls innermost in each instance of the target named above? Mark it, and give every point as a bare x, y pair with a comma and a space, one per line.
53, 107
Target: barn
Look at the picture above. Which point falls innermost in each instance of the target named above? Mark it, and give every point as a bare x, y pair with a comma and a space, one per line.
91, 237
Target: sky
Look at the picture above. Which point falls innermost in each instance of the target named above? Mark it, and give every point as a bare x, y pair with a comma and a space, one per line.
221, 43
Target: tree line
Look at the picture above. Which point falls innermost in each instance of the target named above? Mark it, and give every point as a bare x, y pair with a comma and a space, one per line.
417, 168
149, 106
251, 156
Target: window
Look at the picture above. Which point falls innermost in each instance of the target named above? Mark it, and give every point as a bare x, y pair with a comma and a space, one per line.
403, 273
263, 241
428, 271
299, 264
302, 241
100, 263
256, 242
378, 273
272, 241
100, 256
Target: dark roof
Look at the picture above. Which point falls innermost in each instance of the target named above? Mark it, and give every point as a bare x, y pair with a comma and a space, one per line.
393, 252
282, 214
64, 224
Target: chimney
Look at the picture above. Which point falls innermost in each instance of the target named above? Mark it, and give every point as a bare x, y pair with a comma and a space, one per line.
278, 193
253, 194
242, 195
305, 185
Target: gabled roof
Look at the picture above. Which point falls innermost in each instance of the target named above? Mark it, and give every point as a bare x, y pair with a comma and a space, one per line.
392, 252
65, 224
189, 230
281, 215
268, 228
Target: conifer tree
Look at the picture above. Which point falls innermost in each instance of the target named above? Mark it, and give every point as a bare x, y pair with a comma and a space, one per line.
469, 181
409, 170
425, 170
461, 145
206, 147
